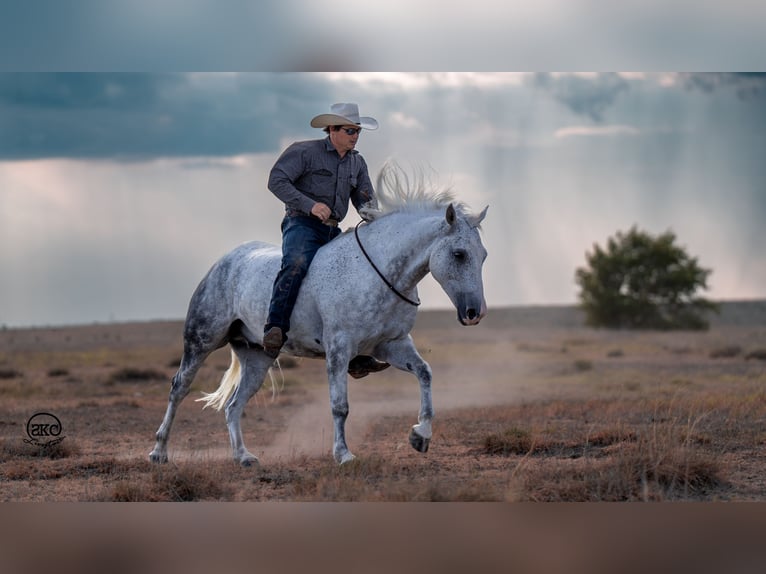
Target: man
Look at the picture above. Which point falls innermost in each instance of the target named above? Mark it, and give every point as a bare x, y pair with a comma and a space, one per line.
316, 180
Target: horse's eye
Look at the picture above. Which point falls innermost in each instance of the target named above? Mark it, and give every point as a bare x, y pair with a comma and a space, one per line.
459, 254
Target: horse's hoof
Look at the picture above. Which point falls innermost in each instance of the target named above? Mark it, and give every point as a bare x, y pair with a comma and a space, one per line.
249, 461
158, 458
346, 458
419, 443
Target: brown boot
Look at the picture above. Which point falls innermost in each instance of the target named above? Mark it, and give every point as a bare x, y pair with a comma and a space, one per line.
273, 339
362, 365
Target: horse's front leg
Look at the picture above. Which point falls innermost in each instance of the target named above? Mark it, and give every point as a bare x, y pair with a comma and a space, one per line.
338, 356
403, 355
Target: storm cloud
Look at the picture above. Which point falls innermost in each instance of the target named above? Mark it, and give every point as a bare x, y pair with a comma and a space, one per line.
118, 191
589, 95
746, 85
131, 116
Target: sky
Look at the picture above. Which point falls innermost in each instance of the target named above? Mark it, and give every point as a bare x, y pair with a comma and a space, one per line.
141, 35
119, 190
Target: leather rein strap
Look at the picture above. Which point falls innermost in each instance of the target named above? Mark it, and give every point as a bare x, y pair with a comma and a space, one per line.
386, 281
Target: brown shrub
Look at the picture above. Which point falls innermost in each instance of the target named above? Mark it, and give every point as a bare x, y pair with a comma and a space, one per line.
20, 449
130, 491
653, 467
510, 441
726, 352
759, 354
132, 374
610, 436
582, 365
26, 469
185, 483
58, 372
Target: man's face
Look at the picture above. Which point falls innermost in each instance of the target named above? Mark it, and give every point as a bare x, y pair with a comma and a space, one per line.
343, 140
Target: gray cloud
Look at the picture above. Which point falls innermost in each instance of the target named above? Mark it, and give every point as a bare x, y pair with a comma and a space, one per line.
586, 96
746, 85
148, 115
77, 91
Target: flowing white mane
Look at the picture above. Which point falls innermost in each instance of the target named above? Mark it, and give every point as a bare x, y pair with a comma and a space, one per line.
397, 191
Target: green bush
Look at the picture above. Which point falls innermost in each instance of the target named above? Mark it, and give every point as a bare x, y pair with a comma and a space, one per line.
643, 282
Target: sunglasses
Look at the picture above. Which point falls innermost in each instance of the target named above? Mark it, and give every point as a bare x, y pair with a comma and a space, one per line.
351, 131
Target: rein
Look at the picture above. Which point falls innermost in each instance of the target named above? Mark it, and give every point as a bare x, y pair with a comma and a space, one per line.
386, 281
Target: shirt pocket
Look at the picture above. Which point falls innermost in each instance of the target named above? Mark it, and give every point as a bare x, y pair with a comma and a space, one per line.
322, 184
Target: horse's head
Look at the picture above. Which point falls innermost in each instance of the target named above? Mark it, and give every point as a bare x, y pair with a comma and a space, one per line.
456, 262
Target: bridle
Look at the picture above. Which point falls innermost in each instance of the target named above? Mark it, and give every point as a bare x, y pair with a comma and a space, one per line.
386, 281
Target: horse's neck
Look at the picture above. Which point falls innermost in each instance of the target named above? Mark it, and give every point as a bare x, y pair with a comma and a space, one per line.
400, 245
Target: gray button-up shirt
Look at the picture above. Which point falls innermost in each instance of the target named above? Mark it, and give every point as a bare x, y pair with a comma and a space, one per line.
312, 171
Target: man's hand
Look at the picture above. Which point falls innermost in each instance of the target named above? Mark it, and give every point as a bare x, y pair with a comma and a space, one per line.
321, 211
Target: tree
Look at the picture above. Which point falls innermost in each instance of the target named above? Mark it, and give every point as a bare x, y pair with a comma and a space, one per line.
643, 282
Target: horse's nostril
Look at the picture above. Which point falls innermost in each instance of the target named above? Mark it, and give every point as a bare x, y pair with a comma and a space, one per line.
471, 314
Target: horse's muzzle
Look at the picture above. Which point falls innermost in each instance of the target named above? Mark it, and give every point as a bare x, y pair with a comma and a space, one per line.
470, 309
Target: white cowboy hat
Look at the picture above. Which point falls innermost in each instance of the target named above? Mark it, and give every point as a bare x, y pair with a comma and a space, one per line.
344, 115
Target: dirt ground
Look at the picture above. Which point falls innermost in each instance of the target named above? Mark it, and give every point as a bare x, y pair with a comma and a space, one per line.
530, 405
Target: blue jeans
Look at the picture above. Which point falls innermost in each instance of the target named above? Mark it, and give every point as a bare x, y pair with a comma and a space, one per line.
302, 236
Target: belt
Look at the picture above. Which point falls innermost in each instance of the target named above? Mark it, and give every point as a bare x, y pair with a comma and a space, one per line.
328, 222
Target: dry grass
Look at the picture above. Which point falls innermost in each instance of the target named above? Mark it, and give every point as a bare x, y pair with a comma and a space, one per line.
510, 441
373, 479
170, 483
566, 414
656, 465
22, 450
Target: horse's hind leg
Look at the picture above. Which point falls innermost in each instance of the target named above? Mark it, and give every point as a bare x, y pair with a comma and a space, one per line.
197, 347
254, 364
190, 364
403, 355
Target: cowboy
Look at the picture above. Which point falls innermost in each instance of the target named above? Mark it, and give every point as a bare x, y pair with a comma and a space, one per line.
315, 180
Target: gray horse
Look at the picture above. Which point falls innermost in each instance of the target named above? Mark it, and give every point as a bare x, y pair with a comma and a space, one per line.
359, 297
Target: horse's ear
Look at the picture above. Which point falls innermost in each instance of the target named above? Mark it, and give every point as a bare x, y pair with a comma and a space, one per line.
476, 220
451, 215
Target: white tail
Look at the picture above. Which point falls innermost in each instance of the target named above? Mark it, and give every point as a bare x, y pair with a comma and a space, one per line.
229, 383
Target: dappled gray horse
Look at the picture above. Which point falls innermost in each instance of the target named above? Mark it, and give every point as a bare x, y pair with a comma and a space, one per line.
359, 297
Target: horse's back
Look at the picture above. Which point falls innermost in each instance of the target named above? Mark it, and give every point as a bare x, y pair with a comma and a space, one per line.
237, 286
245, 261
251, 270
254, 250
